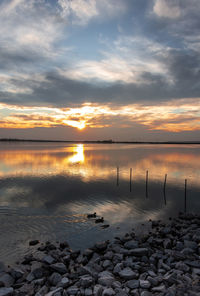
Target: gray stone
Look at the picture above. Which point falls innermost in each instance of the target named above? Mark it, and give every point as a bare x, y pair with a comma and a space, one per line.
145, 293
132, 244
160, 288
151, 273
17, 273
6, 291
59, 267
101, 246
48, 259
43, 291
64, 282
127, 274
121, 293
86, 281
72, 290
6, 280
187, 251
56, 292
38, 273
167, 243
139, 252
144, 284
133, 284
98, 290
88, 292
190, 244
55, 278
106, 263
108, 292
118, 267
106, 281
182, 266
116, 284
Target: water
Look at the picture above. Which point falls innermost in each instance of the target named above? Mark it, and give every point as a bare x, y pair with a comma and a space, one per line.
47, 189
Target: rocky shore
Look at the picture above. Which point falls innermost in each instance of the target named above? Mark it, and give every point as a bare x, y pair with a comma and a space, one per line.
166, 261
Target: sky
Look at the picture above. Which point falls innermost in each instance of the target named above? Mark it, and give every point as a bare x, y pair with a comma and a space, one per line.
126, 70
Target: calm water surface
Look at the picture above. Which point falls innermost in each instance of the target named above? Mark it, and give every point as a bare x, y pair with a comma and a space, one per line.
47, 189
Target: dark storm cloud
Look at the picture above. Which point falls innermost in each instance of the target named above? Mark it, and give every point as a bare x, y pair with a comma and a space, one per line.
57, 90
181, 60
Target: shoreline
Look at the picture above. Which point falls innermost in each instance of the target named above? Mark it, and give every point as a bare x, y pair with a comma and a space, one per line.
164, 261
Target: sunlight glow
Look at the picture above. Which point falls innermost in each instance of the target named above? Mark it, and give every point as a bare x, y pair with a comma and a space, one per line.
78, 157
78, 124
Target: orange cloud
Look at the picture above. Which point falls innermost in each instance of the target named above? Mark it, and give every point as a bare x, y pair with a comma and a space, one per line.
171, 117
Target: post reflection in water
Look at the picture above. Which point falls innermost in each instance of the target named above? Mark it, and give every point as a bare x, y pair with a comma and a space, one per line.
46, 189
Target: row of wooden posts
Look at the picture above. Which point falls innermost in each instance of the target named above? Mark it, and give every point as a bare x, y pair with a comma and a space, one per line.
164, 186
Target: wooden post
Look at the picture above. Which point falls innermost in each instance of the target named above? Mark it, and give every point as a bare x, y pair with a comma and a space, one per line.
117, 176
147, 173
164, 189
185, 206
130, 178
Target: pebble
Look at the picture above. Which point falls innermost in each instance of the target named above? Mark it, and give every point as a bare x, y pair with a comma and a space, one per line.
165, 262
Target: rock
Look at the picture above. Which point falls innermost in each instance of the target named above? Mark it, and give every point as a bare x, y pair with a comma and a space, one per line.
17, 273
118, 267
127, 274
86, 281
6, 280
160, 288
56, 292
187, 251
55, 278
145, 293
190, 244
65, 282
106, 278
33, 242
72, 290
38, 273
108, 292
6, 291
107, 263
133, 284
121, 293
43, 291
59, 267
144, 284
101, 246
98, 290
88, 292
64, 245
48, 259
132, 244
182, 266
139, 252
167, 243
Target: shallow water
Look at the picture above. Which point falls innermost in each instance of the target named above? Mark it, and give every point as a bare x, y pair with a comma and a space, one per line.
47, 189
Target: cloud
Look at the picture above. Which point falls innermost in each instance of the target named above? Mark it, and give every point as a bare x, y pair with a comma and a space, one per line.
167, 8
173, 117
81, 12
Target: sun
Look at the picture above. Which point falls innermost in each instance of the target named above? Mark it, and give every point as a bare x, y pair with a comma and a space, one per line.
78, 124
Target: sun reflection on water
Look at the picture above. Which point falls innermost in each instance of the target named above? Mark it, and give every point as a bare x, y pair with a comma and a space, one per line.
78, 156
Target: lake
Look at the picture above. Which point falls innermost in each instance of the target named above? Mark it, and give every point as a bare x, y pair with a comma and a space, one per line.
47, 189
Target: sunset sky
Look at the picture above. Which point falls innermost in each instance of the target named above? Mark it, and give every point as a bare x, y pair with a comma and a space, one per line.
100, 69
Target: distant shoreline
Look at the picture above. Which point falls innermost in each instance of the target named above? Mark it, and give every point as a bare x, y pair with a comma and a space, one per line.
103, 142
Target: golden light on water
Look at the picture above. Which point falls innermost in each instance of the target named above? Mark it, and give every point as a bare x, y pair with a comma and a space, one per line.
89, 163
78, 156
